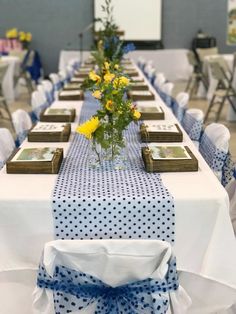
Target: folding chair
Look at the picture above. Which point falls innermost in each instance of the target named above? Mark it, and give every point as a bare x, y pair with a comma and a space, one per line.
196, 77
109, 276
3, 103
224, 90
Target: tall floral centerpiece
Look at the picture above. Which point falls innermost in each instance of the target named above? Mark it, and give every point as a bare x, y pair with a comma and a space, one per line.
109, 46
106, 128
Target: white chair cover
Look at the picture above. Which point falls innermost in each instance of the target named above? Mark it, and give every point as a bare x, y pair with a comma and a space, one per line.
192, 122
74, 62
57, 84
7, 145
180, 105
214, 146
141, 62
42, 91
63, 76
114, 262
22, 123
167, 89
48, 87
219, 135
38, 103
159, 81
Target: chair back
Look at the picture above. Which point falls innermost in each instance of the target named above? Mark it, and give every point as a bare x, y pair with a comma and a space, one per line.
192, 60
214, 146
55, 79
204, 52
3, 70
220, 70
118, 270
22, 124
159, 81
48, 87
180, 105
192, 122
7, 145
38, 103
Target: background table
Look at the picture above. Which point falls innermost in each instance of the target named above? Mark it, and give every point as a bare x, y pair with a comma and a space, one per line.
205, 244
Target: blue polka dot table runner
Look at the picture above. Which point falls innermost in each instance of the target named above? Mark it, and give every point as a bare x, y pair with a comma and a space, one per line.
92, 203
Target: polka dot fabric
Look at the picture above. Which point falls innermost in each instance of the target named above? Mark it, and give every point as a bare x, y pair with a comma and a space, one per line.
212, 155
228, 170
110, 204
178, 110
192, 126
75, 290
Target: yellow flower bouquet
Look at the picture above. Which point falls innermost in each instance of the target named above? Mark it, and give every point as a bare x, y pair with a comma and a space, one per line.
105, 129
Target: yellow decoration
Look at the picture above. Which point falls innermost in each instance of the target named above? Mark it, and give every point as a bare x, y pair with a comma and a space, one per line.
121, 82
106, 66
94, 77
108, 77
97, 94
89, 127
136, 114
12, 33
109, 105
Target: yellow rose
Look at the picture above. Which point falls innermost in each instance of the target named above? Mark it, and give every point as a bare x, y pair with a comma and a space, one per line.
28, 36
108, 77
94, 77
106, 66
97, 94
124, 81
136, 114
116, 66
109, 105
88, 127
22, 36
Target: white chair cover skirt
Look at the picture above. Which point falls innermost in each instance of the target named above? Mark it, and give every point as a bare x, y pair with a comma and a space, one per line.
115, 262
7, 144
182, 99
196, 113
219, 135
21, 121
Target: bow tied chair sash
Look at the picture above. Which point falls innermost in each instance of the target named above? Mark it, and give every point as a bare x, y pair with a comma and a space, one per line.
214, 156
49, 96
192, 126
75, 290
108, 277
228, 171
178, 111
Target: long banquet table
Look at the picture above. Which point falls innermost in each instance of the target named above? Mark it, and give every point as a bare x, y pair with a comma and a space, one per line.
204, 244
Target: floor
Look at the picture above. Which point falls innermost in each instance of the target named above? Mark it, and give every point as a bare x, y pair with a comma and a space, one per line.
23, 102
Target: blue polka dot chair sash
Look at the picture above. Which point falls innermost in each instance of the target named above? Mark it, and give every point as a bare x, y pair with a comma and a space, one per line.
214, 156
178, 110
127, 277
192, 126
228, 170
92, 203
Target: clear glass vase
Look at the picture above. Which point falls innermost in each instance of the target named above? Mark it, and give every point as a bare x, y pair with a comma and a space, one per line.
115, 156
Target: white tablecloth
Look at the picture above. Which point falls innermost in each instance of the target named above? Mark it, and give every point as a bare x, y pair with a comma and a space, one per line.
172, 62
8, 82
205, 244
